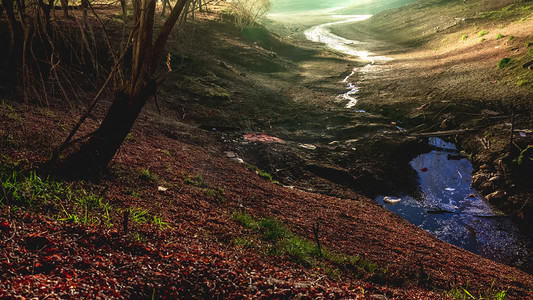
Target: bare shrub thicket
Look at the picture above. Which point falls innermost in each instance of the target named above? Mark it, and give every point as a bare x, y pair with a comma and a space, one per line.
248, 12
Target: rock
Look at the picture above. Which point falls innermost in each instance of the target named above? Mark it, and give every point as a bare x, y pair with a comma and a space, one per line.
391, 200
479, 179
307, 146
485, 167
487, 187
496, 179
495, 196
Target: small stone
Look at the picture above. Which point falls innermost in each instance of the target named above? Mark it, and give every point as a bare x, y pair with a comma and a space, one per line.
479, 179
162, 189
484, 167
495, 196
496, 178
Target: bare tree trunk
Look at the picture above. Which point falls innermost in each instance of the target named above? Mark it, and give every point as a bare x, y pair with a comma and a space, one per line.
64, 5
95, 155
123, 4
12, 25
84, 5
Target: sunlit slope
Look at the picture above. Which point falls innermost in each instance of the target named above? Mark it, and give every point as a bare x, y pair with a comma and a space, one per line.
371, 7
420, 22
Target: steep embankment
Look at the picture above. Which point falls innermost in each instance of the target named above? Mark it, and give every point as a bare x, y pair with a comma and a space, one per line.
461, 65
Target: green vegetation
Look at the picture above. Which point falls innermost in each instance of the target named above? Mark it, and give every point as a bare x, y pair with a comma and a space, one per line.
262, 173
464, 37
504, 62
145, 174
530, 52
463, 294
26, 189
523, 82
510, 38
499, 36
525, 159
31, 191
528, 44
513, 11
142, 216
482, 33
198, 181
219, 96
277, 240
481, 40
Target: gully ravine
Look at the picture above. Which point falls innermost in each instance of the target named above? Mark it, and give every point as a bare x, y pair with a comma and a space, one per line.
448, 207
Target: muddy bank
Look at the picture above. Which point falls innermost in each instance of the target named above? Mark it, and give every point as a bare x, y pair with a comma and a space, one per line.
444, 76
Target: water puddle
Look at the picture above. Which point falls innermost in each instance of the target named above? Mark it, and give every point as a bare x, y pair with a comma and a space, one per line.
322, 34
452, 211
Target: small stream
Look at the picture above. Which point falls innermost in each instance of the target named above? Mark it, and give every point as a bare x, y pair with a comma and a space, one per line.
454, 212
322, 34
449, 209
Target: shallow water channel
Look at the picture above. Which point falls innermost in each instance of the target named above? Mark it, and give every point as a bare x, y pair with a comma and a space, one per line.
449, 208
452, 211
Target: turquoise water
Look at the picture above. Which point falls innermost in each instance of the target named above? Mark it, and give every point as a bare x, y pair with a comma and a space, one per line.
335, 6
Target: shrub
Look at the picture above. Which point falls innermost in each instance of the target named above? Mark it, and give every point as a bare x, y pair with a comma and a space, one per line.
247, 13
504, 62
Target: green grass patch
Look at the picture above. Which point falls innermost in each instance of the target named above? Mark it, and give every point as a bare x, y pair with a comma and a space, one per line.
464, 37
499, 36
463, 294
277, 240
262, 173
528, 44
523, 82
504, 62
219, 96
513, 12
198, 181
146, 174
510, 38
28, 190
530, 52
481, 40
482, 33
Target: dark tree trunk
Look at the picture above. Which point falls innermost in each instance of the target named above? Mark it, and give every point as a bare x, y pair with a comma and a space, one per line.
8, 6
95, 155
124, 10
64, 5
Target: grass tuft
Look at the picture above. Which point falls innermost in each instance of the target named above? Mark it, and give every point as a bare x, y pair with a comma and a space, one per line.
504, 62
499, 36
482, 33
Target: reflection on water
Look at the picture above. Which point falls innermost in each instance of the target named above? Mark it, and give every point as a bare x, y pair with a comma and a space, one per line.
454, 212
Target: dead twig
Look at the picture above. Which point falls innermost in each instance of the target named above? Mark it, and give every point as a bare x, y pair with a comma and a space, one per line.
315, 231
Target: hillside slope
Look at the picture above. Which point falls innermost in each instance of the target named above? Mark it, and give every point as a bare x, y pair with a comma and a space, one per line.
460, 65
